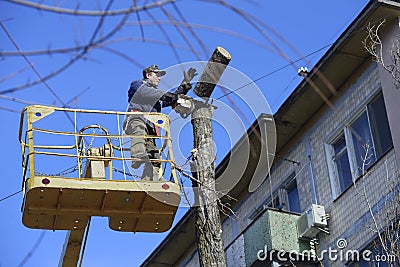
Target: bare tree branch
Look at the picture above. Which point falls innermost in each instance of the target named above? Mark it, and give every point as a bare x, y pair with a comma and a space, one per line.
139, 20
385, 222
188, 42
192, 32
95, 45
374, 46
71, 61
91, 12
166, 35
9, 109
205, 27
30, 64
18, 100
14, 74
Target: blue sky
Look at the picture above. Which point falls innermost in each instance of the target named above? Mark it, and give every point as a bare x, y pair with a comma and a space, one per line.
103, 77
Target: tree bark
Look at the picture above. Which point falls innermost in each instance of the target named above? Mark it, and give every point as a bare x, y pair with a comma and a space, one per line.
208, 224
212, 73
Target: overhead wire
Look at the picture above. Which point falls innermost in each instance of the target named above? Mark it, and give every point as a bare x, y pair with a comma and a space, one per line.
268, 74
13, 194
274, 71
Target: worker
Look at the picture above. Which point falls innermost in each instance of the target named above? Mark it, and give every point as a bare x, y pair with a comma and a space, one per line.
144, 96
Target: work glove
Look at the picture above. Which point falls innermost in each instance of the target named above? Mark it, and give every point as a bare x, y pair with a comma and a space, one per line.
171, 97
185, 85
189, 75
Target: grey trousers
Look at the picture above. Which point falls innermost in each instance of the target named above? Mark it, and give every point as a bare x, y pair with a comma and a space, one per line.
145, 148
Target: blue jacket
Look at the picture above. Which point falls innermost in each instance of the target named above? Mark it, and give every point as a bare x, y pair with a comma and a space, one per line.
144, 97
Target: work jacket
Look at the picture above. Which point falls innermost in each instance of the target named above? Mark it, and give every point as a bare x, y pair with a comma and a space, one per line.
144, 97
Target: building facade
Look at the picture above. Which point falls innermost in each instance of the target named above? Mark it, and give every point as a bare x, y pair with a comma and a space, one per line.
336, 149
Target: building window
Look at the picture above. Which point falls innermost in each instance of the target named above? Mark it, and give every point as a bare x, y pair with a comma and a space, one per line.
341, 162
362, 140
275, 203
359, 145
380, 126
293, 199
286, 197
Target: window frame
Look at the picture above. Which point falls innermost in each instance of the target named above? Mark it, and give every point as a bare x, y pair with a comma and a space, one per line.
279, 197
346, 132
288, 188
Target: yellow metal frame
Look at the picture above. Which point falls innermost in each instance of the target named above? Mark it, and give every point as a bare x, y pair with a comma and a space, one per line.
61, 202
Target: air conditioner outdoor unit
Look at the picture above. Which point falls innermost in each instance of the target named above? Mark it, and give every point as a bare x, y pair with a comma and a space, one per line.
311, 221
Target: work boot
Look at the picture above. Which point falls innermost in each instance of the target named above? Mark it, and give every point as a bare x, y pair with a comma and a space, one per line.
150, 173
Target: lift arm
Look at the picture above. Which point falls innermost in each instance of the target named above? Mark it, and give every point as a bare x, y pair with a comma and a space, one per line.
73, 251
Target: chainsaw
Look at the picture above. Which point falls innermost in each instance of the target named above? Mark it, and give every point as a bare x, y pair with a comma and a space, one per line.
185, 105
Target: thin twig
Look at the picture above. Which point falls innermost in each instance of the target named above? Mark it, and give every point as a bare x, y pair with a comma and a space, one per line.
91, 12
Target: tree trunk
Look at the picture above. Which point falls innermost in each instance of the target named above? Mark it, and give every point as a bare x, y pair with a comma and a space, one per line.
208, 224
216, 65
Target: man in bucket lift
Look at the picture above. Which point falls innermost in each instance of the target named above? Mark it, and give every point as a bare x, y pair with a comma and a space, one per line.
144, 96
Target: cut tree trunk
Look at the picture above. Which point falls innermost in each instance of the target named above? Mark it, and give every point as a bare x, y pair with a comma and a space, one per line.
212, 73
208, 224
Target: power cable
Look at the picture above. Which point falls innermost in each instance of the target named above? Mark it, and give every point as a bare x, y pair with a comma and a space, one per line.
274, 71
13, 194
283, 91
291, 63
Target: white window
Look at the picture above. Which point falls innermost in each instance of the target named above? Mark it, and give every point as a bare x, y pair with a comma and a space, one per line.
359, 145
